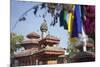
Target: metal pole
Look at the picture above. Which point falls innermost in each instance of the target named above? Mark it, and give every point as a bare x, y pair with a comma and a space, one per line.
84, 38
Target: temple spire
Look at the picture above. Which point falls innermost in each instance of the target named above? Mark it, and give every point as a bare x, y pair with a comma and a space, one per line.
44, 28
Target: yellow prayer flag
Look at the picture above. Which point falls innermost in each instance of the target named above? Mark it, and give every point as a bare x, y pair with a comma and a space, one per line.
70, 20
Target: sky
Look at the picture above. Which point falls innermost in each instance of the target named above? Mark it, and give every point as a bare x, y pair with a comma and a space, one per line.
32, 22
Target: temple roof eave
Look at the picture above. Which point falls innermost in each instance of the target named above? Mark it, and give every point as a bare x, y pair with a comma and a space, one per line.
49, 51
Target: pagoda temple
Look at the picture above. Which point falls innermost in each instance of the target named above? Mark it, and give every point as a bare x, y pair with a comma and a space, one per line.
40, 50
84, 56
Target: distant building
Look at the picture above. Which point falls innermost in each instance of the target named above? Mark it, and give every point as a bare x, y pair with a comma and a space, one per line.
84, 56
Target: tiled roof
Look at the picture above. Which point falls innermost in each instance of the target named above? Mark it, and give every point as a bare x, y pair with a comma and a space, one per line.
25, 53
32, 51
52, 49
90, 45
35, 41
33, 35
51, 37
83, 55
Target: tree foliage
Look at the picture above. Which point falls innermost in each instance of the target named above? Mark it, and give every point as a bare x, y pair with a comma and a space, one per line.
71, 51
14, 40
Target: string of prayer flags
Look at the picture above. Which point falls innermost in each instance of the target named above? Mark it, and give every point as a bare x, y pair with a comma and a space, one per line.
63, 19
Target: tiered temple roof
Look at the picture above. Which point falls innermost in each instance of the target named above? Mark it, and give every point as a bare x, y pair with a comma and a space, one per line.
34, 42
25, 53
33, 35
30, 41
51, 40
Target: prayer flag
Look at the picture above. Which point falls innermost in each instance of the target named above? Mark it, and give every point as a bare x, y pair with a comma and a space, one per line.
78, 18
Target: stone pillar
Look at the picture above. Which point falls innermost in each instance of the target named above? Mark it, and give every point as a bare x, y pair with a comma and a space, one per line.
37, 61
31, 60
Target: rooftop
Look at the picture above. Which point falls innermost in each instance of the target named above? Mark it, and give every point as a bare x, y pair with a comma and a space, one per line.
33, 35
28, 41
32, 51
51, 37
